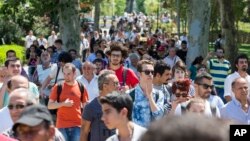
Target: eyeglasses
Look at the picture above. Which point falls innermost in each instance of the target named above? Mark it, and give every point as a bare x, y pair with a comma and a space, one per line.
147, 72
115, 83
206, 86
181, 94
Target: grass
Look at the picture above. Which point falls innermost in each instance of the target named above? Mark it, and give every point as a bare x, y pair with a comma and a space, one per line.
244, 27
20, 52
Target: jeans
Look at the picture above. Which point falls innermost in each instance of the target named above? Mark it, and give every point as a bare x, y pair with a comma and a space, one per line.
71, 133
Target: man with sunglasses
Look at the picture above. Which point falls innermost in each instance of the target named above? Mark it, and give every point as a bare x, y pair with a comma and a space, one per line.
203, 84
20, 99
148, 101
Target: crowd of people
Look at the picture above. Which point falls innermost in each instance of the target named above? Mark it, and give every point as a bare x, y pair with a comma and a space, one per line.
118, 84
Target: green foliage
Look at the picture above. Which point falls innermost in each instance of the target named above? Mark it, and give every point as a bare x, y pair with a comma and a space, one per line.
41, 26
20, 52
140, 6
10, 32
120, 6
151, 6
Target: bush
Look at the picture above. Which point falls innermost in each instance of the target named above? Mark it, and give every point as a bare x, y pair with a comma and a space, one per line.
10, 32
20, 52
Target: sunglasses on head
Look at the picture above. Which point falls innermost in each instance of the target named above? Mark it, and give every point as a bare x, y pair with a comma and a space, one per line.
206, 86
181, 94
147, 72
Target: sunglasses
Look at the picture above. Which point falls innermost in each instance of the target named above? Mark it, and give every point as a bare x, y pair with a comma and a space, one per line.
147, 72
17, 107
206, 86
181, 94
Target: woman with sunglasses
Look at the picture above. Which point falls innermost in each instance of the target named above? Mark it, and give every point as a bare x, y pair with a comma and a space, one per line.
180, 89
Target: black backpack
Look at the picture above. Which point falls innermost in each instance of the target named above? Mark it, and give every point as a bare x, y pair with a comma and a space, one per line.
59, 90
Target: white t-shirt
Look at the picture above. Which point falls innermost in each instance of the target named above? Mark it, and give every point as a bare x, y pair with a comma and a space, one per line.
136, 136
29, 40
51, 40
228, 83
207, 111
92, 87
171, 61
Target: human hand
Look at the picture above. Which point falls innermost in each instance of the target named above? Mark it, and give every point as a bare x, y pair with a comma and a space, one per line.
68, 103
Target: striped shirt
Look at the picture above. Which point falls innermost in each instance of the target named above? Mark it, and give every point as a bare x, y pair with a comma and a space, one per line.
219, 71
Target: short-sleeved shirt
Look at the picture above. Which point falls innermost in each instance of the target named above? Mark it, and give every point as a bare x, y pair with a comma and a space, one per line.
93, 113
69, 116
219, 71
60, 74
131, 78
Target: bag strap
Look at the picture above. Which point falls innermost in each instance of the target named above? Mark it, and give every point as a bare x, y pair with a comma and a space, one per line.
124, 76
132, 94
81, 87
59, 90
57, 72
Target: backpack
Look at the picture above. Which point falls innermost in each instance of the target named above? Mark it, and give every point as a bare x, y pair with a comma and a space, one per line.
217, 44
124, 76
59, 90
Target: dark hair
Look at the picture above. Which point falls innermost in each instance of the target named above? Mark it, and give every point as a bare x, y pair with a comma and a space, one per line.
160, 67
10, 51
119, 47
103, 77
65, 57
197, 60
201, 66
69, 66
119, 101
59, 41
53, 48
142, 62
188, 127
179, 65
241, 56
184, 42
199, 78
100, 52
97, 60
220, 48
182, 85
7, 62
72, 50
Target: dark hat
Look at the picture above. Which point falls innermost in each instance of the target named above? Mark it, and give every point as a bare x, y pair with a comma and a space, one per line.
33, 116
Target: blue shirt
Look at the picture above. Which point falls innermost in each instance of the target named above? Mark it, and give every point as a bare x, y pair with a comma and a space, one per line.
233, 111
141, 113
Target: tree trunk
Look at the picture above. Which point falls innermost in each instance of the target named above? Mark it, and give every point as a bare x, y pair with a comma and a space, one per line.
129, 6
97, 14
198, 28
228, 29
69, 24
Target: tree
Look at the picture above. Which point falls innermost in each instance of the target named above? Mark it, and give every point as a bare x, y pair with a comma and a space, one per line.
228, 29
69, 23
198, 27
97, 14
129, 6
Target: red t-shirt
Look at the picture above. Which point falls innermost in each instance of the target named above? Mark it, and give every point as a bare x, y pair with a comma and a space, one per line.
131, 78
69, 116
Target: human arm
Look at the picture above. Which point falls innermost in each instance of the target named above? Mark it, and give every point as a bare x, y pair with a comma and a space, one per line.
209, 56
55, 105
85, 129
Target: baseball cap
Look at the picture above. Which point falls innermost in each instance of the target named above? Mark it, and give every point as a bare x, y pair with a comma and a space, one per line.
33, 116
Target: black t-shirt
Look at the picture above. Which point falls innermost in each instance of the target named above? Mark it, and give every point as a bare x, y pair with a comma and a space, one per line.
182, 54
